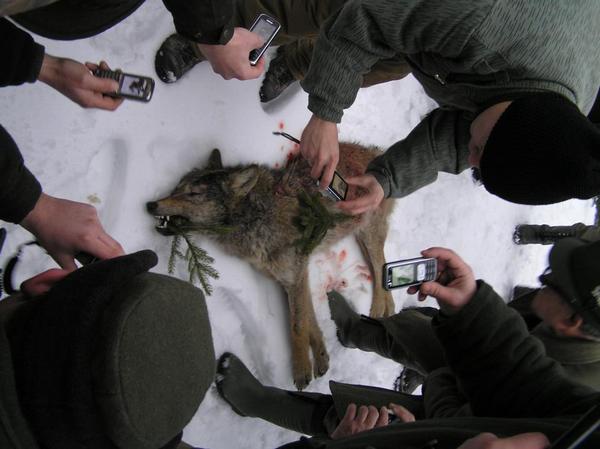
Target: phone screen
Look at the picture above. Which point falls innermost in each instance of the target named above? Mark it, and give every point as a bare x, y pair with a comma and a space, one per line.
264, 29
339, 185
133, 85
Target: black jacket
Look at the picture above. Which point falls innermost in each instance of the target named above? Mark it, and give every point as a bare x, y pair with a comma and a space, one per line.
19, 190
205, 21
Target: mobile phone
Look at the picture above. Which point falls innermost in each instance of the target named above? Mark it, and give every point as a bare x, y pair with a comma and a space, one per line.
266, 27
337, 188
579, 432
134, 87
404, 273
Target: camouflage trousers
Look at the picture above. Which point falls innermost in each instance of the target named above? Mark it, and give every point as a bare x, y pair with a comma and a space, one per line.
300, 25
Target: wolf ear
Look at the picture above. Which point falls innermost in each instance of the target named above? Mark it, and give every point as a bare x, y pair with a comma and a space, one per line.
243, 181
214, 161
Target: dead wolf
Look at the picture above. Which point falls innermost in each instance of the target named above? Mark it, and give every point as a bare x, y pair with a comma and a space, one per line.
259, 206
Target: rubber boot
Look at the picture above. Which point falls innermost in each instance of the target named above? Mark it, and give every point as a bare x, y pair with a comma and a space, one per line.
301, 412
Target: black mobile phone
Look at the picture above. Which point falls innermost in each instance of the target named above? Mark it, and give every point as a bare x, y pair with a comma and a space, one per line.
133, 87
266, 27
579, 432
337, 188
404, 273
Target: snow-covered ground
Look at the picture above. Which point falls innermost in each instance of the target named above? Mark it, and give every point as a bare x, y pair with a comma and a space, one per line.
118, 161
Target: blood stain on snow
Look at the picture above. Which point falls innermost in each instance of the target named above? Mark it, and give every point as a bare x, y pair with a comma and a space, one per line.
281, 125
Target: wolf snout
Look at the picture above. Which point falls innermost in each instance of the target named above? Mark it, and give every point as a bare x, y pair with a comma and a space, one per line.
151, 206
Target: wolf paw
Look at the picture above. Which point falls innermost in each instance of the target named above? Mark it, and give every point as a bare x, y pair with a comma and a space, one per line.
321, 362
302, 379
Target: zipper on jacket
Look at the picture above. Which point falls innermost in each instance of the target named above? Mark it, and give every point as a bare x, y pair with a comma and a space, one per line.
439, 79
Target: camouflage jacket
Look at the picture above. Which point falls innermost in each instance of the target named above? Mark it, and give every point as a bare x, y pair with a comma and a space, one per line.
497, 366
467, 55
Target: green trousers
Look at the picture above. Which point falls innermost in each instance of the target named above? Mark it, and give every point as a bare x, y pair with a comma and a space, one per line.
301, 21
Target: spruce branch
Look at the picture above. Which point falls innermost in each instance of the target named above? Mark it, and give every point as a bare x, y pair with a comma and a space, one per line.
313, 221
199, 263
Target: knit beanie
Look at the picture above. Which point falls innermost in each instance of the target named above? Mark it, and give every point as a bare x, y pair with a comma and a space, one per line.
542, 150
575, 273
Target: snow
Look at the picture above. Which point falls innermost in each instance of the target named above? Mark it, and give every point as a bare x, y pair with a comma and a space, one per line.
118, 161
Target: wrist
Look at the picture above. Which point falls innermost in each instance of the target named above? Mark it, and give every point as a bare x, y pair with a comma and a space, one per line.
37, 215
48, 69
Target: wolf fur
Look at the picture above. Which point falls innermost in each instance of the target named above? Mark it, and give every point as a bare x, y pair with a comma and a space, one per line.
259, 204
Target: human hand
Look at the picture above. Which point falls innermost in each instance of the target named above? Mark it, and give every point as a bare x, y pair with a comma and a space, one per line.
532, 440
320, 147
455, 285
41, 283
65, 228
358, 201
232, 59
75, 81
361, 419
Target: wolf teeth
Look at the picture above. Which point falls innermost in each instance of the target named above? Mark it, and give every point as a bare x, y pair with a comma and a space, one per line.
163, 221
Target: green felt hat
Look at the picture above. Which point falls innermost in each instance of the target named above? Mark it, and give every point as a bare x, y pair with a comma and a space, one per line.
112, 357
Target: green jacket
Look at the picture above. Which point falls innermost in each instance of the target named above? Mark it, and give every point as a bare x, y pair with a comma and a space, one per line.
467, 55
511, 385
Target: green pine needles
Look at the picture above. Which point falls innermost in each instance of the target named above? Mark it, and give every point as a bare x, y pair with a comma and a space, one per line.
199, 263
313, 221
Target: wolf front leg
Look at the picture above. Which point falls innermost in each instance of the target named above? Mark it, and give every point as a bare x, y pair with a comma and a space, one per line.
371, 240
305, 334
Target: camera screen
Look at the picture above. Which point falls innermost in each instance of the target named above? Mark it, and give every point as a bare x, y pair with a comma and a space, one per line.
134, 85
339, 185
404, 274
264, 29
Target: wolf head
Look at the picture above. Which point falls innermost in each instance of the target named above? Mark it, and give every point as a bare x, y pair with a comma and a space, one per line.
203, 199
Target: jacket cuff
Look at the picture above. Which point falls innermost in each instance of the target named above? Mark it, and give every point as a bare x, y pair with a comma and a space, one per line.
22, 198
382, 178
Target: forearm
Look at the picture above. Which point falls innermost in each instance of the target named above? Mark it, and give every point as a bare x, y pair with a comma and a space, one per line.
205, 21
499, 365
438, 143
22, 57
19, 190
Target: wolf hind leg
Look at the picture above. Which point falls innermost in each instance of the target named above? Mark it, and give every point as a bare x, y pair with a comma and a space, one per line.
371, 240
305, 334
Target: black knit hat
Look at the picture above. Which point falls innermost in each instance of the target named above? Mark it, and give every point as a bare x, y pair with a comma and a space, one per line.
542, 150
112, 357
575, 273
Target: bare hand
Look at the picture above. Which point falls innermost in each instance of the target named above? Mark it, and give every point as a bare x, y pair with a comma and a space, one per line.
41, 283
74, 81
533, 440
402, 413
65, 228
320, 147
361, 419
232, 59
455, 285
364, 194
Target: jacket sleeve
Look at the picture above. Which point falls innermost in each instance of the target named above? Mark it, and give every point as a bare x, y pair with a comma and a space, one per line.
19, 190
21, 56
502, 369
365, 31
438, 143
203, 21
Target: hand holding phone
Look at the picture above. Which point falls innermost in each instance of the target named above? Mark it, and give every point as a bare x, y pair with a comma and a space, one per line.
409, 272
337, 188
266, 27
133, 87
454, 287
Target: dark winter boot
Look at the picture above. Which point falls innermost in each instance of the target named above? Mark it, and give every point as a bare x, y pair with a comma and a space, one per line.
354, 330
543, 234
408, 380
277, 79
301, 412
175, 57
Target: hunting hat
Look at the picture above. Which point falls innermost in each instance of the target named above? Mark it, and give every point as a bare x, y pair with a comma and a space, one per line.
542, 150
112, 357
575, 274
76, 19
